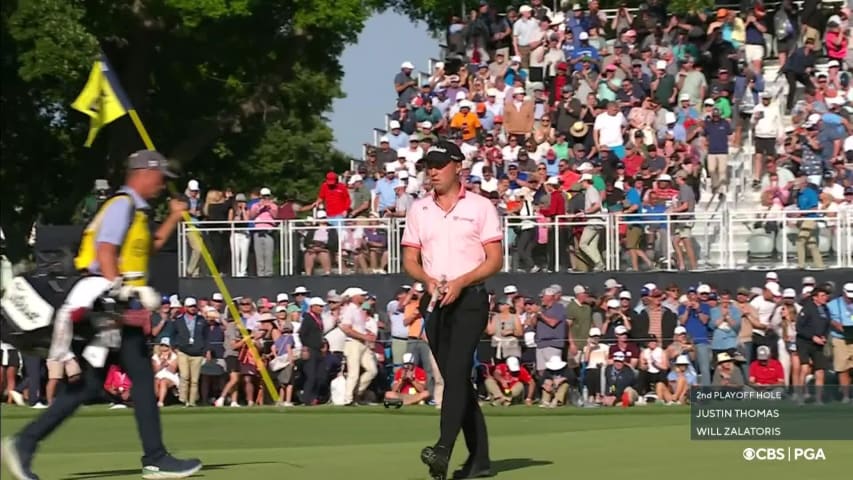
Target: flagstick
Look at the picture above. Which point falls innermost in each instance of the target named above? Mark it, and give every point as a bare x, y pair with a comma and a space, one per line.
217, 278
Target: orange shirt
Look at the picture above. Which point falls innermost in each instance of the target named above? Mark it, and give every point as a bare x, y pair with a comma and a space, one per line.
415, 327
469, 124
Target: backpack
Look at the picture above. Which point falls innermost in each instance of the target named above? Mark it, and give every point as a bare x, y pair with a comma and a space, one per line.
782, 25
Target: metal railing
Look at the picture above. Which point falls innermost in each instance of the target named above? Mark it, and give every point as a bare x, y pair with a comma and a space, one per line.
724, 239
777, 235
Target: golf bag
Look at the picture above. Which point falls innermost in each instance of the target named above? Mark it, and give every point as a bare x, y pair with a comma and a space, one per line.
29, 307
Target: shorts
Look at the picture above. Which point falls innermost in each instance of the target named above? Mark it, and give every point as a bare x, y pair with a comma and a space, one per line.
57, 370
842, 355
543, 354
232, 365
765, 146
655, 378
753, 53
683, 230
634, 237
11, 358
787, 45
810, 352
284, 376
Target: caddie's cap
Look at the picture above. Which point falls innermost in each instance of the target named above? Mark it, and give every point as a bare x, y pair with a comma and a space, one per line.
149, 159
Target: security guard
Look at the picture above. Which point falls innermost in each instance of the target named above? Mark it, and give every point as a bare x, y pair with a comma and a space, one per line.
116, 245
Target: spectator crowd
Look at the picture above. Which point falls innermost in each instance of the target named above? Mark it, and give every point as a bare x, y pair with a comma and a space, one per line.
586, 346
569, 119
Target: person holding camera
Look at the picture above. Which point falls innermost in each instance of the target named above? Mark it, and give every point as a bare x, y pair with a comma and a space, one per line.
264, 212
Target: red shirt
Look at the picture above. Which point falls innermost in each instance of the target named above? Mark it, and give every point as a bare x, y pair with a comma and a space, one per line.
630, 350
503, 372
557, 206
569, 178
770, 373
420, 376
632, 162
117, 378
335, 198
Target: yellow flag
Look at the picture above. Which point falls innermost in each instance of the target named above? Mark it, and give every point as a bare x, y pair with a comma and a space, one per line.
102, 98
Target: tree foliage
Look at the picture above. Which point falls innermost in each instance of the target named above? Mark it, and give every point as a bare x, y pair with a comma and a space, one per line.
233, 91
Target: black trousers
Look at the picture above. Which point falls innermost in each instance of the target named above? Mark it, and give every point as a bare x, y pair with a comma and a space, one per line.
793, 78
33, 370
524, 243
312, 369
134, 358
453, 333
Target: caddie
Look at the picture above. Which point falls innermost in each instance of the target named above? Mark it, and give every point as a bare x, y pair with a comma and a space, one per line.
113, 257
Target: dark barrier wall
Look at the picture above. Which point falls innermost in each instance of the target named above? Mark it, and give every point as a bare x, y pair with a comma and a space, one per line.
383, 286
55, 241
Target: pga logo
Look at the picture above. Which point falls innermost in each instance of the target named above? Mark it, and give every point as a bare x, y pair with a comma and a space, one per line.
781, 454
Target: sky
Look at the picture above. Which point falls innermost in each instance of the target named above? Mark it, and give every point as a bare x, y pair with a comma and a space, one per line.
388, 40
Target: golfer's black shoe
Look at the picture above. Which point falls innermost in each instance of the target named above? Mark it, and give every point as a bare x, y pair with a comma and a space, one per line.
436, 458
18, 460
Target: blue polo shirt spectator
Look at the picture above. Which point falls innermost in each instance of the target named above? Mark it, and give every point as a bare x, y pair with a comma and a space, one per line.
385, 190
697, 330
585, 50
725, 334
808, 199
841, 311
717, 131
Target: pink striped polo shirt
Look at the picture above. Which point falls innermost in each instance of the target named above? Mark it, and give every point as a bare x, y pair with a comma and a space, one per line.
451, 242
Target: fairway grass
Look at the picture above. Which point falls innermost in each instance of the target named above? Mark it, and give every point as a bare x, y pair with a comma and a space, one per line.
336, 443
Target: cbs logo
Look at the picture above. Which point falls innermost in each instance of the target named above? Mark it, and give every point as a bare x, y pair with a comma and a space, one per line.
781, 454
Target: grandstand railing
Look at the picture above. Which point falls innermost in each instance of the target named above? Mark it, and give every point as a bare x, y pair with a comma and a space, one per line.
717, 238
774, 233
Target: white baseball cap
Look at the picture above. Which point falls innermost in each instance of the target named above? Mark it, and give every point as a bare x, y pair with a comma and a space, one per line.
789, 293
216, 297
518, 91
625, 294
772, 276
704, 288
190, 302
621, 330
586, 177
407, 65
352, 292
512, 364
848, 290
383, 139
807, 290
660, 65
670, 117
408, 358
192, 186
773, 288
619, 356
585, 167
664, 178
594, 332
300, 290
390, 168
583, 36
165, 341
613, 303
316, 301
683, 97
282, 297
510, 289
611, 283
265, 192
393, 124
680, 330
355, 178
553, 180
682, 360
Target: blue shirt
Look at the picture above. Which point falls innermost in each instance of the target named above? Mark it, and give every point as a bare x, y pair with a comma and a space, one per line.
724, 338
808, 200
695, 328
841, 311
398, 142
718, 136
634, 197
116, 221
385, 192
585, 51
512, 183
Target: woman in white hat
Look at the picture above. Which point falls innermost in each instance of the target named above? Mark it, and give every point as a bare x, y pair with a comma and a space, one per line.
556, 382
680, 379
165, 364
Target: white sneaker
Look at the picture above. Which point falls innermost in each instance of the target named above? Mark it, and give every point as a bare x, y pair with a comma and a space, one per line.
219, 402
160, 405
235, 405
288, 404
17, 398
39, 406
118, 406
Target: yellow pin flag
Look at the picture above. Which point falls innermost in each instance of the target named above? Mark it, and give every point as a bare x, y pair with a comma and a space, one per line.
102, 99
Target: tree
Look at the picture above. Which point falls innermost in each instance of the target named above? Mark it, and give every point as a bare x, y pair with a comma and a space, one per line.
232, 90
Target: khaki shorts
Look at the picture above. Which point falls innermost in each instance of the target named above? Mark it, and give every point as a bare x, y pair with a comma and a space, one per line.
683, 231
57, 370
634, 238
842, 355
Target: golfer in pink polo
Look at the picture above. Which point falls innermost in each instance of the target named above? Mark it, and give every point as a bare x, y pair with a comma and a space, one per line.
452, 244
